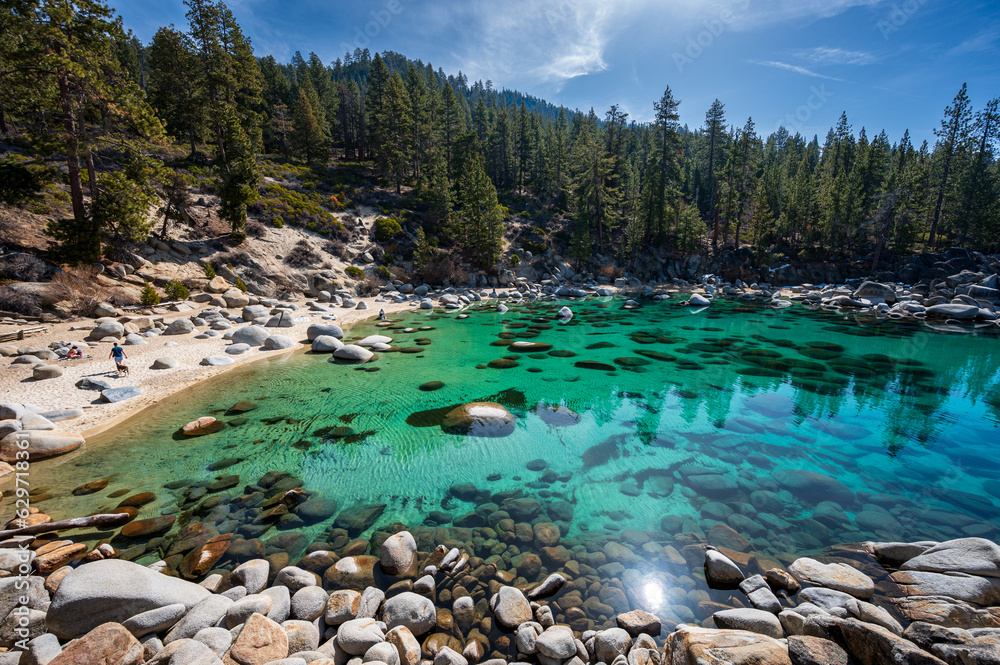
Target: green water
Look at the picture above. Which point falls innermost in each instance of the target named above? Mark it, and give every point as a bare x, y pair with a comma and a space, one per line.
714, 415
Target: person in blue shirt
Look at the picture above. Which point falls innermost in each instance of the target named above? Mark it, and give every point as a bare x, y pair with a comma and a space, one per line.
118, 355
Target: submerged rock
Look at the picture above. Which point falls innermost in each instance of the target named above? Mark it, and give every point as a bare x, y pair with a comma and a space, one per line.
487, 419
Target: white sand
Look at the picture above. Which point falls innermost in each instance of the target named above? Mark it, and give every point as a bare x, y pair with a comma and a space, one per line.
17, 385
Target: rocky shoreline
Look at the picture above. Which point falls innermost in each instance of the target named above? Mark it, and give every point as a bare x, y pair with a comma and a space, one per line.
477, 594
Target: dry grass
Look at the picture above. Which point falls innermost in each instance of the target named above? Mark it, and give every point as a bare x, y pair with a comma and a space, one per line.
80, 289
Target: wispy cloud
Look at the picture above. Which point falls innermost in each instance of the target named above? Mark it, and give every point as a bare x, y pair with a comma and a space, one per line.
986, 40
793, 68
835, 56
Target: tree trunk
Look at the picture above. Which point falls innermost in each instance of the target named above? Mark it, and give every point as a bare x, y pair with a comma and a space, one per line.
72, 149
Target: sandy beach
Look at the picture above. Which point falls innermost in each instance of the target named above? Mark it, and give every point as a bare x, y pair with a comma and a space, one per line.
18, 386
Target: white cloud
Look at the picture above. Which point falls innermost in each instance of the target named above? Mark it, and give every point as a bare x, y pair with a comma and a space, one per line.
835, 56
793, 68
986, 40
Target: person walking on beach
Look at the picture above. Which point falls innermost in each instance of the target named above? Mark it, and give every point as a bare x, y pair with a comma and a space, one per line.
118, 355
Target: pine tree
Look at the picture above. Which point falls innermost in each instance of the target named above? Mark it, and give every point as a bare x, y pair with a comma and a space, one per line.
715, 122
952, 137
173, 88
392, 154
64, 74
307, 135
482, 217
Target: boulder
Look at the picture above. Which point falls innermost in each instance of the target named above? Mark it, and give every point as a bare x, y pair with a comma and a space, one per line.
408, 609
165, 363
39, 444
114, 590
261, 641
485, 419
326, 344
179, 327
113, 395
42, 372
107, 329
252, 335
720, 571
358, 635
693, 645
217, 284
972, 556
235, 298
751, 620
323, 329
237, 349
957, 311
253, 312
611, 643
353, 353
836, 576
698, 300
278, 342
399, 554
869, 644
202, 426
283, 319
108, 643
510, 608
216, 361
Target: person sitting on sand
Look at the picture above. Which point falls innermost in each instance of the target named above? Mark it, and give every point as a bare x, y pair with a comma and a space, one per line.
118, 355
74, 354
381, 315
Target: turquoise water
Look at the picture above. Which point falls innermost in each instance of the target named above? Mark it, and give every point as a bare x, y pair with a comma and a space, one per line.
799, 429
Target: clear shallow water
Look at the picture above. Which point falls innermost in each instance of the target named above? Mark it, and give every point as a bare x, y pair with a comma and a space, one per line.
721, 415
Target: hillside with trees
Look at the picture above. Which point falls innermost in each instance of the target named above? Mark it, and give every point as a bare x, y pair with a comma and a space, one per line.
106, 140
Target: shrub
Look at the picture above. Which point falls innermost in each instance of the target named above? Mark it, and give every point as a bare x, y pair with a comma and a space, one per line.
383, 273
241, 285
239, 237
22, 268
175, 290
355, 272
209, 270
20, 302
515, 260
337, 248
18, 183
386, 228
149, 296
302, 256
610, 271
278, 222
256, 229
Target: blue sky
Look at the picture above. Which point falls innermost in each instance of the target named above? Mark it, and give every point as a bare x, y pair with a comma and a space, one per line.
890, 64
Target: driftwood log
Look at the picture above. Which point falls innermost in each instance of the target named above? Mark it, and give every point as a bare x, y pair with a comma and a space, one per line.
103, 520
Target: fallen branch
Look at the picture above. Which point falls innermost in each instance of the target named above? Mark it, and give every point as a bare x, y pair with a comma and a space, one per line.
103, 520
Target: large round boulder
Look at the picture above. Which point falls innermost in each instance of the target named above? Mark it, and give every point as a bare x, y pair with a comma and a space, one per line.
252, 335
278, 342
326, 344
107, 329
38, 443
479, 419
408, 609
324, 329
353, 353
114, 590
